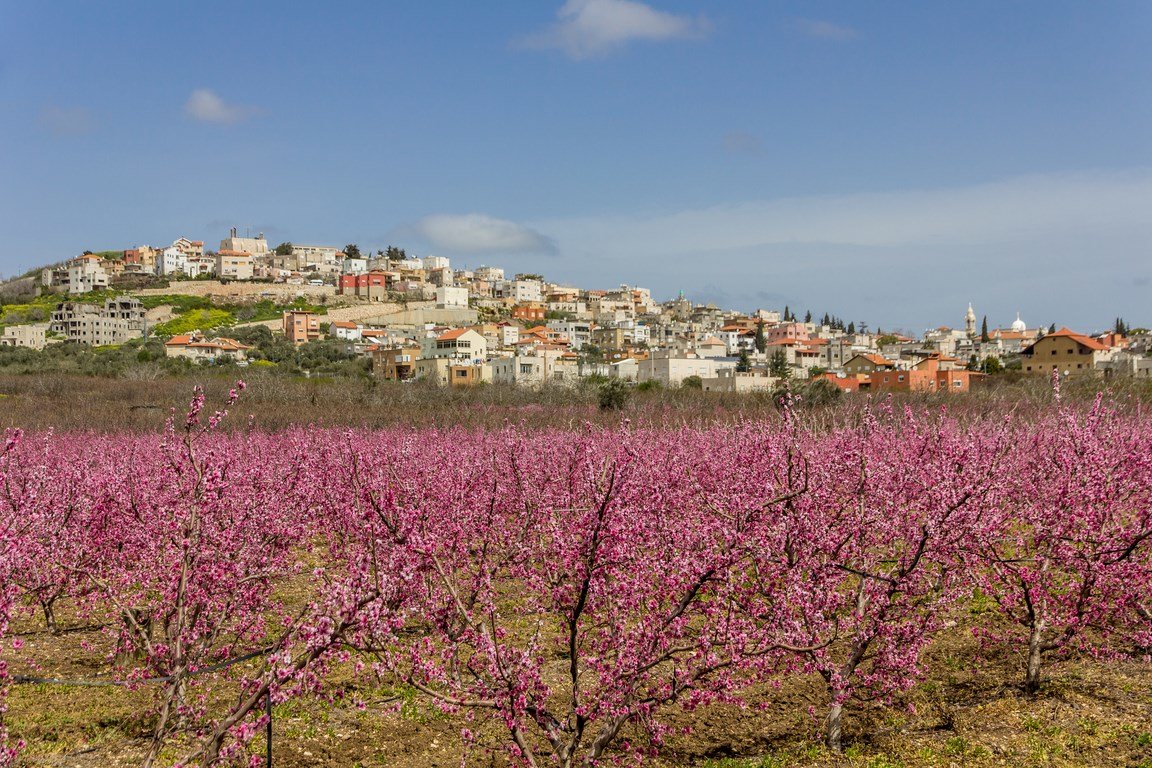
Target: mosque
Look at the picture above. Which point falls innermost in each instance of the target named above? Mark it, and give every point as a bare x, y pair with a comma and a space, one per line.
1018, 326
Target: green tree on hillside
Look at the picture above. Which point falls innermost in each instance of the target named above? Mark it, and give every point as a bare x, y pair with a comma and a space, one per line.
760, 342
743, 364
778, 365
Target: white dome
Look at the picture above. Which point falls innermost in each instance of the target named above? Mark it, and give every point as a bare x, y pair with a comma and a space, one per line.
1018, 324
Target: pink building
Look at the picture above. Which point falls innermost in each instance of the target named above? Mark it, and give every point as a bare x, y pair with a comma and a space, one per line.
787, 331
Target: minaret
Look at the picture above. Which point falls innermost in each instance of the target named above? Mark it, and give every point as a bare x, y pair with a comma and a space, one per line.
970, 322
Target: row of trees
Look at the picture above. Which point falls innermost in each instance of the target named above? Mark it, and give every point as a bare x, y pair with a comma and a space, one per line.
567, 588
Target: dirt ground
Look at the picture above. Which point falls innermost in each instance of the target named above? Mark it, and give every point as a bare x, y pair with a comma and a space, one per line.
968, 712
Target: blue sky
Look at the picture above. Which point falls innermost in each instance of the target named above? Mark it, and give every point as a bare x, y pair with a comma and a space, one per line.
886, 162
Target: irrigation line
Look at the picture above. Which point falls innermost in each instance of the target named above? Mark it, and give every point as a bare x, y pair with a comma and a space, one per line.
29, 680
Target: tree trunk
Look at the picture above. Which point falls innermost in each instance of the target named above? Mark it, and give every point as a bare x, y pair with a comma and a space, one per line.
49, 608
138, 650
1035, 655
835, 721
161, 729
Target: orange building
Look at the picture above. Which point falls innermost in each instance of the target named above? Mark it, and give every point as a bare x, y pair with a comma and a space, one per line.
395, 364
529, 310
846, 383
301, 326
925, 376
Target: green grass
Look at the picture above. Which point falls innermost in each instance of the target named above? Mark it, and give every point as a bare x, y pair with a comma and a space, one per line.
38, 309
178, 301
196, 320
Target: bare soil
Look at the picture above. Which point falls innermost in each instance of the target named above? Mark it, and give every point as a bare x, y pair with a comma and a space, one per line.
968, 712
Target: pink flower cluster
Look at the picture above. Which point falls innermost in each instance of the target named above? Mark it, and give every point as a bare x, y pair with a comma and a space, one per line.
569, 585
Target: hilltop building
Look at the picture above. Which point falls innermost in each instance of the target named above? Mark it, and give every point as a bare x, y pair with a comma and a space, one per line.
253, 246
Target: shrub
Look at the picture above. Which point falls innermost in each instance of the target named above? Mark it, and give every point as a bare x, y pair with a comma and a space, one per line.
613, 395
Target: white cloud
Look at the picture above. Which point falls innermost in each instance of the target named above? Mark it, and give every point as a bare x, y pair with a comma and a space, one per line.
587, 28
907, 256
479, 233
1010, 209
67, 121
207, 107
825, 30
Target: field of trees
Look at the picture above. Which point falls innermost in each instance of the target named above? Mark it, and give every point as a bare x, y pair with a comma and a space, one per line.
867, 583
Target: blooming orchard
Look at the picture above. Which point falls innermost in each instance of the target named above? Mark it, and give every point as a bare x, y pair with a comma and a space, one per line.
568, 588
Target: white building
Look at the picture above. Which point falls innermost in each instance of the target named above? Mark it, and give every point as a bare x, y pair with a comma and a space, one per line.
451, 297
457, 344
354, 266
32, 336
172, 261
729, 380
255, 246
313, 255
521, 291
489, 274
671, 371
635, 332
577, 332
627, 369
550, 366
346, 331
189, 247
435, 262
233, 265
85, 274
509, 335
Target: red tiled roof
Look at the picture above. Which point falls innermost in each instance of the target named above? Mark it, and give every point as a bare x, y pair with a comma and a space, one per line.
1079, 338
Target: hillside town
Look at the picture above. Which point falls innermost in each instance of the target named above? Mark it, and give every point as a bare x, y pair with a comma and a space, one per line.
421, 318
